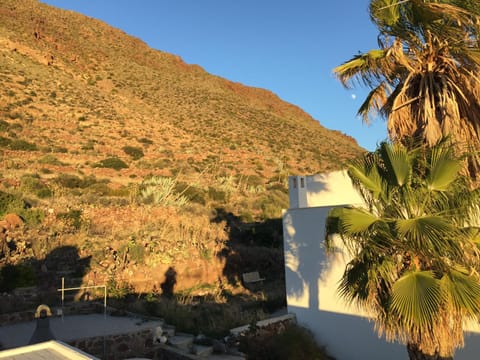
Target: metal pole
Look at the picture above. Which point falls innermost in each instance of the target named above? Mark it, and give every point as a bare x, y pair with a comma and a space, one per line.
63, 295
105, 302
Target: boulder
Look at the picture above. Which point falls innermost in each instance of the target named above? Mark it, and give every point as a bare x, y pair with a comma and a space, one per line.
13, 220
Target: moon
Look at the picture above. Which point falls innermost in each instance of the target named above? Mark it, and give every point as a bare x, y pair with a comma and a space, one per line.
353, 96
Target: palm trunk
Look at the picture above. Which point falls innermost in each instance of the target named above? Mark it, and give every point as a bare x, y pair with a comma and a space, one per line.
414, 353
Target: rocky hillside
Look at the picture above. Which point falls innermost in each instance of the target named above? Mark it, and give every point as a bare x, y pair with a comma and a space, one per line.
138, 160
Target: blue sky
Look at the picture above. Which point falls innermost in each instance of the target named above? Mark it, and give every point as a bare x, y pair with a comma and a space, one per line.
288, 47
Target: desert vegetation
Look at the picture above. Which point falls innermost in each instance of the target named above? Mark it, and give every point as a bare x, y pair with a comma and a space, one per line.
134, 166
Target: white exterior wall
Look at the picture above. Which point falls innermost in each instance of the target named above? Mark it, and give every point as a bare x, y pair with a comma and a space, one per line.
312, 279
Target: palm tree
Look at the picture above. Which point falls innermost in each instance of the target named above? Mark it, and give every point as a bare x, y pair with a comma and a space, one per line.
424, 78
414, 250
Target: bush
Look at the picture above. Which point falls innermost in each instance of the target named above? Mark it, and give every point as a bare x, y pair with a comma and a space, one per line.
12, 277
192, 193
10, 203
5, 142
135, 152
145, 141
112, 163
33, 185
72, 218
50, 160
291, 343
22, 145
60, 149
4, 125
100, 189
32, 217
75, 182
272, 204
69, 181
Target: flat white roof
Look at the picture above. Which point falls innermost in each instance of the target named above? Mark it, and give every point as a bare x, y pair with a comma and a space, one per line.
49, 350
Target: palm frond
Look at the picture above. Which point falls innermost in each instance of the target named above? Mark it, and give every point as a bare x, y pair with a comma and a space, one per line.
366, 68
428, 234
374, 102
444, 169
366, 176
463, 292
416, 298
356, 220
397, 161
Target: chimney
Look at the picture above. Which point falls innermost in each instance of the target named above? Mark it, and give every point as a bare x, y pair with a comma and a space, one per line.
297, 188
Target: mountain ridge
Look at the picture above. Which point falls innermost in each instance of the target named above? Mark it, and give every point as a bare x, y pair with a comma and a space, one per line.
51, 43
107, 143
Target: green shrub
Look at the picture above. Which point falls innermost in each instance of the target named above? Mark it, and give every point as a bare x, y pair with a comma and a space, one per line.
72, 218
60, 149
22, 145
46, 171
4, 125
5, 142
50, 160
135, 152
44, 192
69, 181
74, 182
118, 290
112, 163
31, 216
145, 141
10, 203
32, 184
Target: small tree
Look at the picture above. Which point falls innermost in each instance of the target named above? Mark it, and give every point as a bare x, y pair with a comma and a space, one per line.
414, 246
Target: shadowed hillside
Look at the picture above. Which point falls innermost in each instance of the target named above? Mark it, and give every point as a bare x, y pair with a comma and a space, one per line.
127, 153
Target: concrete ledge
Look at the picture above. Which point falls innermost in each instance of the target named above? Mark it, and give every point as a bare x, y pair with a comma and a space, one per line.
241, 329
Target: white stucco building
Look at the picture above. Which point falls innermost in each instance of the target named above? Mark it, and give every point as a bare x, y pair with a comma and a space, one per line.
312, 277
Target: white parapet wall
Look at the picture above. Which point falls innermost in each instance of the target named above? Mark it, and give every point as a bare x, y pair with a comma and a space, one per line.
312, 277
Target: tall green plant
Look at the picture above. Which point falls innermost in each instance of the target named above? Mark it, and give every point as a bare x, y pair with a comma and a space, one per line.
161, 191
414, 246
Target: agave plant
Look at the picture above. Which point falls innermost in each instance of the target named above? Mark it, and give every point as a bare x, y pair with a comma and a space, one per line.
414, 246
159, 190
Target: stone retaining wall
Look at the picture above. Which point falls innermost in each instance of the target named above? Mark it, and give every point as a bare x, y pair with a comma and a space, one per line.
122, 346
